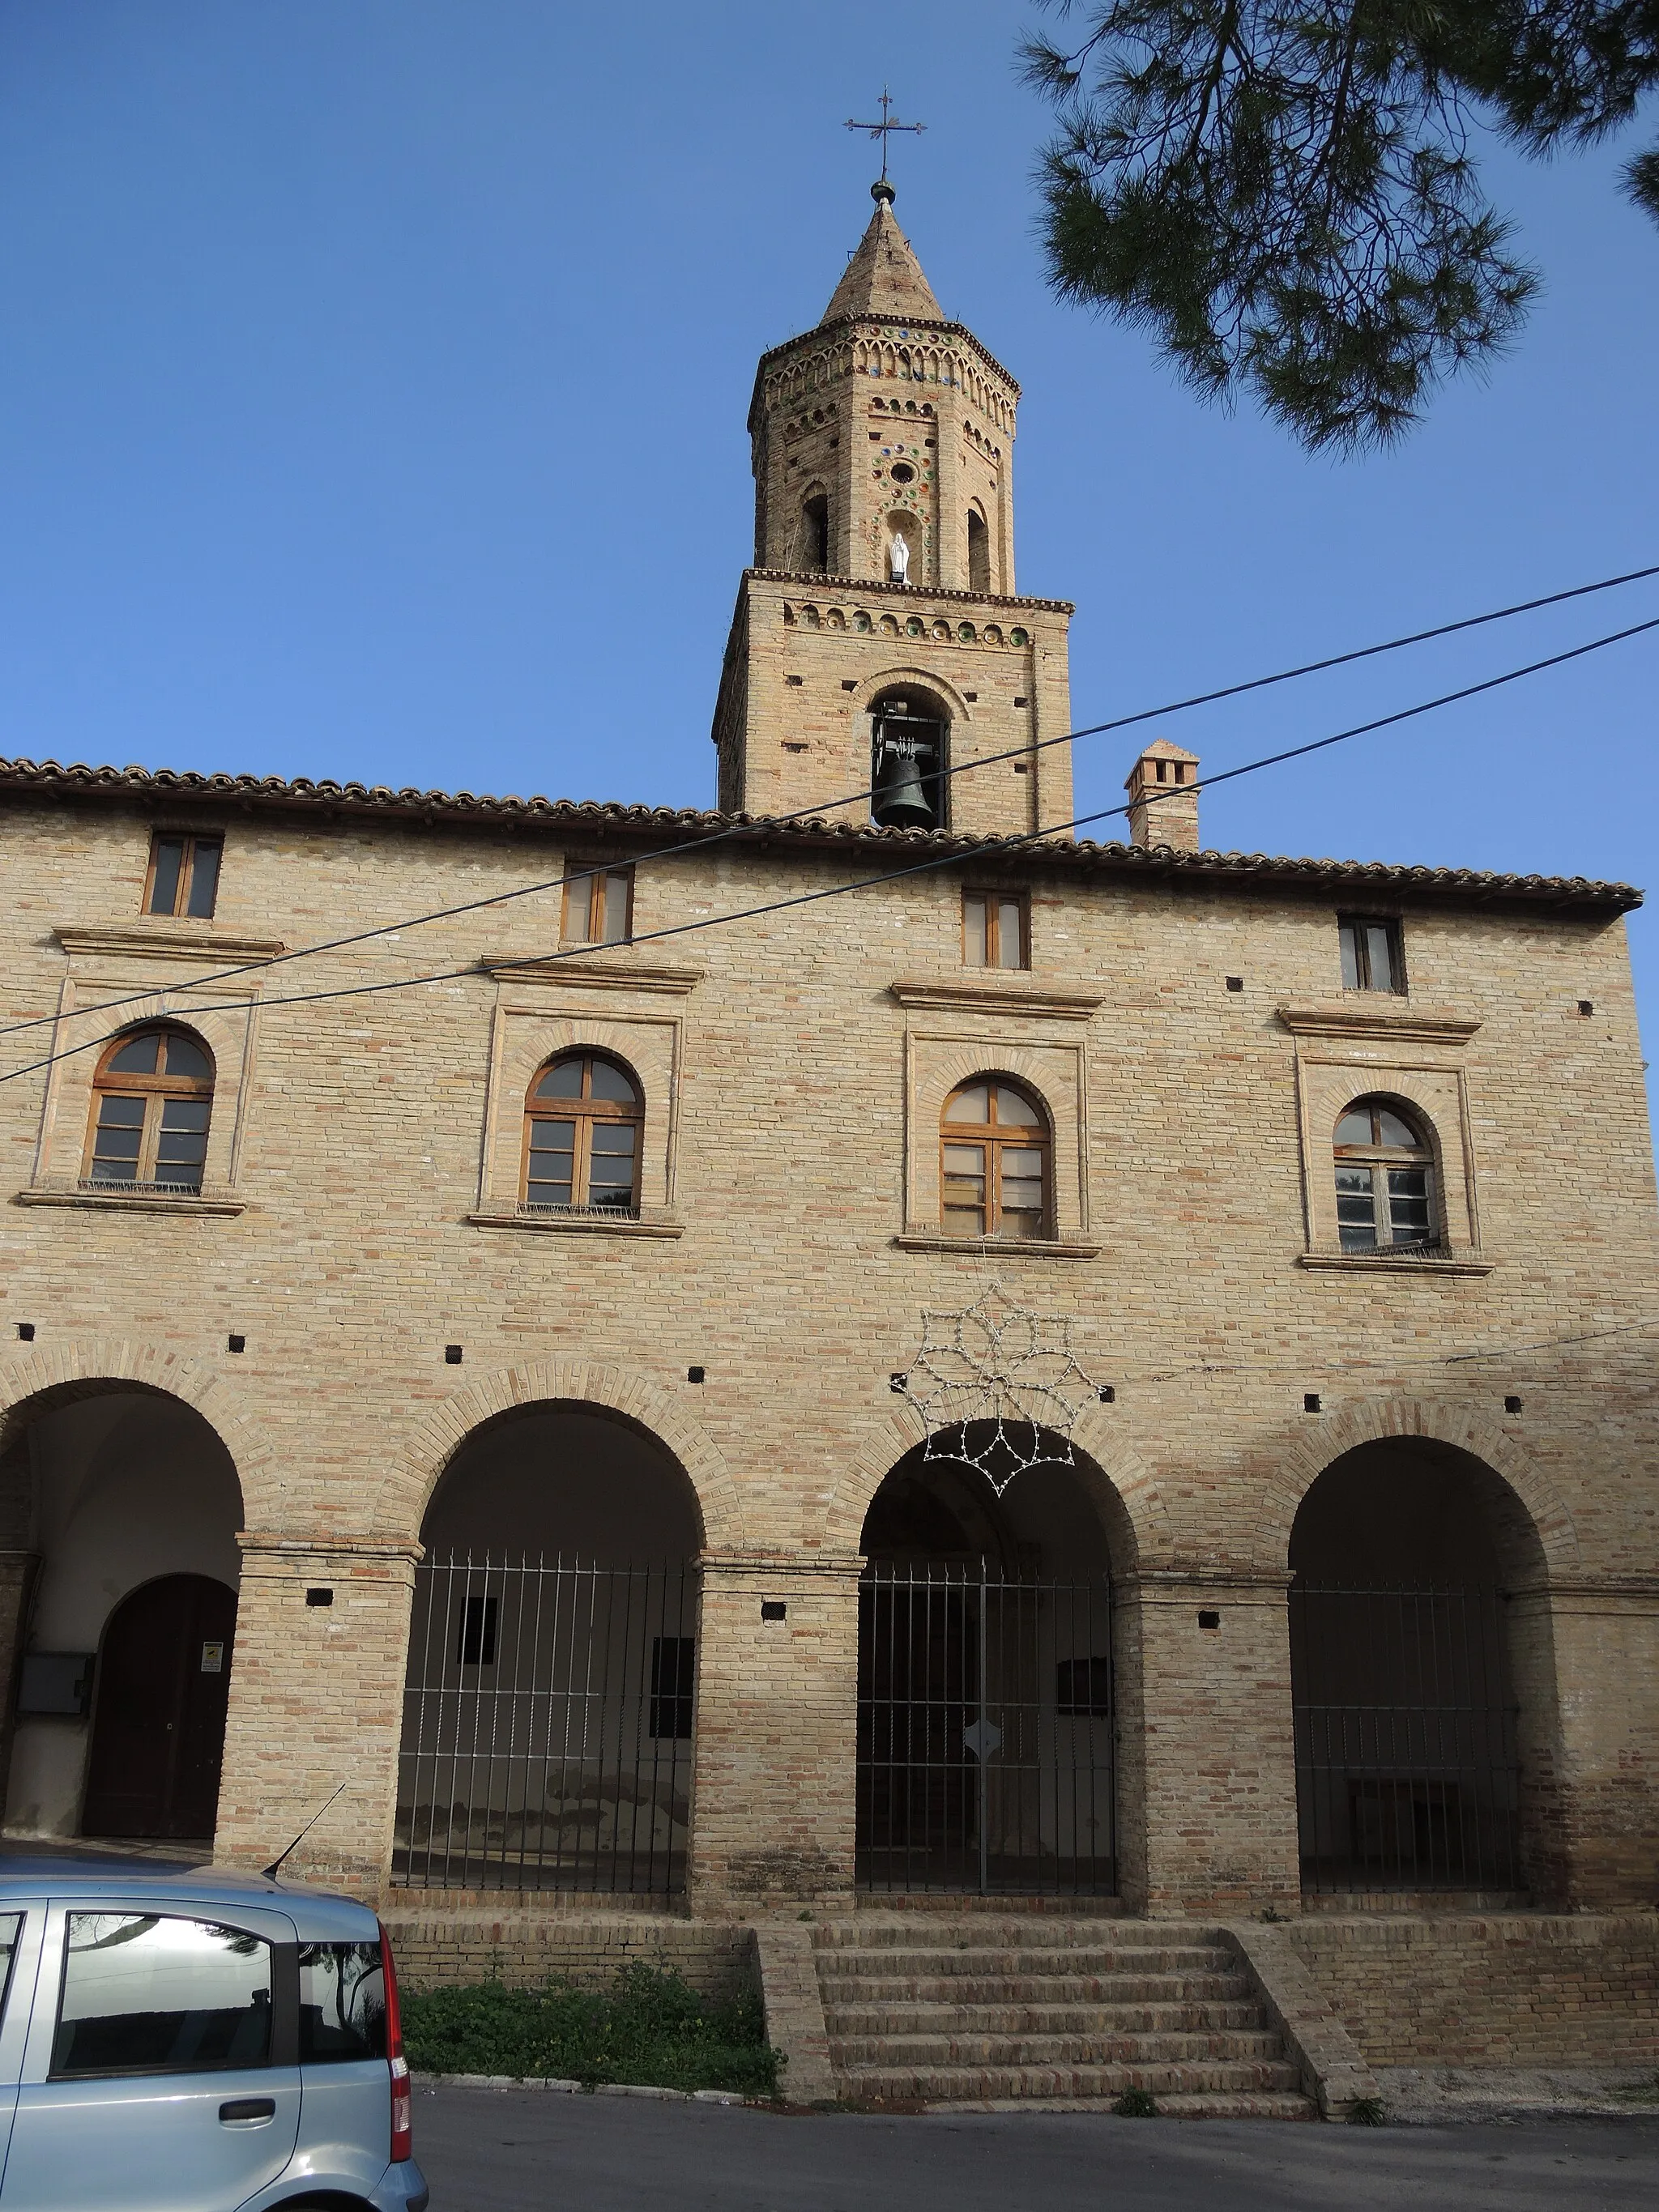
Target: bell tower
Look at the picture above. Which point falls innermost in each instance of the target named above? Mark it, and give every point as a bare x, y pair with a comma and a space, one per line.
879, 647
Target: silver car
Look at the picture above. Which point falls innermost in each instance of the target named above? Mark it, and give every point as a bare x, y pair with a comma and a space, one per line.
195, 2040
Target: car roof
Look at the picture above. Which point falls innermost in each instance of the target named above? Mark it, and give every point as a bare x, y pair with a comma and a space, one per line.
84, 1877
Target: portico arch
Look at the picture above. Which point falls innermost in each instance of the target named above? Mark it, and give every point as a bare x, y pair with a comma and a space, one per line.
407, 1488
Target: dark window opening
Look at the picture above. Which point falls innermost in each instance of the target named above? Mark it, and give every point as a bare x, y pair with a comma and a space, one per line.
477, 1646
673, 1675
907, 765
815, 532
184, 876
1084, 1689
1371, 957
1385, 1196
979, 553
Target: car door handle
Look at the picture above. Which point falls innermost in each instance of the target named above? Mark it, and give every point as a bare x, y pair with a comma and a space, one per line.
247, 2111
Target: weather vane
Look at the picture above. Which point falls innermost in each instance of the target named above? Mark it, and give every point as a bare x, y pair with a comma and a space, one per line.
885, 128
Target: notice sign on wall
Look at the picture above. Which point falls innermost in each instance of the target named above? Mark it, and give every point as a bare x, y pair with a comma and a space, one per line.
213, 1658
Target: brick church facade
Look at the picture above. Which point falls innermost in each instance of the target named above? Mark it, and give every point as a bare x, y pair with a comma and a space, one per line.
500, 1395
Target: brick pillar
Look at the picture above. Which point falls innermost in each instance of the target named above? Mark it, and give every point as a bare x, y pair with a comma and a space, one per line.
1584, 1660
18, 1570
316, 1699
776, 1730
1206, 1763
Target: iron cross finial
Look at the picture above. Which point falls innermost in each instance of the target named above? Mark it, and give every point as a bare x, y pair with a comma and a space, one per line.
885, 128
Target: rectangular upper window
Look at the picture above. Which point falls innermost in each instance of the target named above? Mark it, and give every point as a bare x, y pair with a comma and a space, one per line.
1371, 954
598, 907
183, 875
996, 929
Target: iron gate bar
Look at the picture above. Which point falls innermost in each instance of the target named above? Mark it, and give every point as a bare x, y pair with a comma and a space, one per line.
981, 1765
550, 1775
1408, 1774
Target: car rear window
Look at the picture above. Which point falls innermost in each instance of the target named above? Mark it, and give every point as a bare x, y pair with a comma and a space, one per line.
150, 1993
341, 2002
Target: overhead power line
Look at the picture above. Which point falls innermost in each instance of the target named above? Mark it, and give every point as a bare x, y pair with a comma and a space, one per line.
702, 840
994, 848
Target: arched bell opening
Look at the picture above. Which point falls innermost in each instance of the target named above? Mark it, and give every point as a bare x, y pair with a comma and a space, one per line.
909, 759
986, 1716
979, 551
812, 533
120, 1509
1421, 1676
551, 1689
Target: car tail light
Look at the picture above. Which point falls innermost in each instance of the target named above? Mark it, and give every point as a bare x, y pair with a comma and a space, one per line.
402, 2134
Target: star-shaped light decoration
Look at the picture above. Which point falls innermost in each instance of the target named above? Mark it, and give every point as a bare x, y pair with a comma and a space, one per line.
999, 1387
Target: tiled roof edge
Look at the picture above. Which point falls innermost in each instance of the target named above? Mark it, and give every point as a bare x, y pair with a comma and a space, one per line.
596, 817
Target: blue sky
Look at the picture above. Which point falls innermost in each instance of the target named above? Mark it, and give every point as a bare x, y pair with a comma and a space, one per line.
372, 395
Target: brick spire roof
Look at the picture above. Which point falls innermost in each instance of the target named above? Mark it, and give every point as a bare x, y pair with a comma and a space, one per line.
883, 278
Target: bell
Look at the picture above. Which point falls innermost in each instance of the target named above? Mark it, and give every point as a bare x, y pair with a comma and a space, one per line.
899, 800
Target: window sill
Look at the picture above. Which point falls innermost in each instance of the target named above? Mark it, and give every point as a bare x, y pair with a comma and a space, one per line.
992, 1248
1398, 1263
116, 1200
654, 1222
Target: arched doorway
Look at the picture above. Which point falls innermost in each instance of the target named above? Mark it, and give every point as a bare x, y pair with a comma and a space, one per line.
158, 1727
1405, 1663
125, 1505
549, 1696
985, 1727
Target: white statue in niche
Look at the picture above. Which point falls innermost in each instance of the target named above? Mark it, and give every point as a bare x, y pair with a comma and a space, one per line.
901, 558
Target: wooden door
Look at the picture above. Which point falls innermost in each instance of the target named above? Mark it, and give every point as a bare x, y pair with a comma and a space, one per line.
158, 1732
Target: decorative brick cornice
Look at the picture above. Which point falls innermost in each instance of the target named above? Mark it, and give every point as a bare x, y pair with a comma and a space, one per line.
166, 940
999, 998
911, 595
1379, 1022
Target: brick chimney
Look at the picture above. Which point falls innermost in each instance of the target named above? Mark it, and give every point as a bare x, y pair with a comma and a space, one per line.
1164, 798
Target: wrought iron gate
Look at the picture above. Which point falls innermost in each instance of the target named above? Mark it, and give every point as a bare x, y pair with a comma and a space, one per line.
547, 1727
1407, 1776
985, 1726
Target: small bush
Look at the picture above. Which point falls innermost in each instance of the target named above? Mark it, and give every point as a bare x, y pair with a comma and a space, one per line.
1136, 2104
1366, 2112
649, 2028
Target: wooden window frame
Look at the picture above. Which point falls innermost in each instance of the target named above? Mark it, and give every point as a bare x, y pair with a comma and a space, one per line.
994, 902
192, 845
1377, 1158
586, 896
157, 1092
1351, 928
584, 1111
995, 1140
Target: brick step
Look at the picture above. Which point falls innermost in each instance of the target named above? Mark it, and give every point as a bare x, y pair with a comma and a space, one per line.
943, 2047
1033, 1989
1184, 2104
1008, 2018
1021, 2084
911, 1932
984, 1965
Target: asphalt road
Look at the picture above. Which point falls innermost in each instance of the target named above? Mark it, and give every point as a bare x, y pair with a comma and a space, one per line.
511, 2150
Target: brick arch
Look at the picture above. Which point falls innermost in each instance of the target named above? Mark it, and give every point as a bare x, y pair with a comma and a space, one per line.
1121, 1486
906, 672
406, 1487
1376, 1421
81, 1368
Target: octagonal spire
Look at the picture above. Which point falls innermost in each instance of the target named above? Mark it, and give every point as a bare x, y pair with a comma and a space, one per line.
883, 278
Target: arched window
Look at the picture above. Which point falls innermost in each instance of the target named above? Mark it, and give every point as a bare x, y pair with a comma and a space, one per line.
152, 1101
582, 1142
1384, 1180
979, 552
814, 551
908, 746
994, 1160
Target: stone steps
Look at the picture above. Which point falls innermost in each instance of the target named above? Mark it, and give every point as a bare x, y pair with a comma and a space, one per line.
870, 2018
1004, 2012
979, 1989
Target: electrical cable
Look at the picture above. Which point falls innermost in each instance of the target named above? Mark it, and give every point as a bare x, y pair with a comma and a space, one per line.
839, 890
991, 847
851, 799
